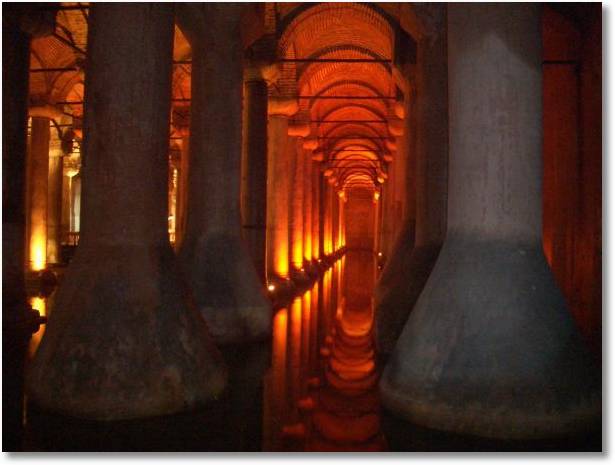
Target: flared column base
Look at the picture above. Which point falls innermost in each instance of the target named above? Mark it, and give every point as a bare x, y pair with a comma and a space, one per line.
122, 340
491, 350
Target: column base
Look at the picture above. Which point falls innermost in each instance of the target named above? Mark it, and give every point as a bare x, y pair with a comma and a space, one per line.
395, 299
491, 350
300, 278
227, 290
122, 340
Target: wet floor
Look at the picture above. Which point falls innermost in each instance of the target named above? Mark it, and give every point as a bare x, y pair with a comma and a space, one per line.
312, 388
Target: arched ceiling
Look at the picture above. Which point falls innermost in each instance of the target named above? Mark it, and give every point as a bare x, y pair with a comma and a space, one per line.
337, 61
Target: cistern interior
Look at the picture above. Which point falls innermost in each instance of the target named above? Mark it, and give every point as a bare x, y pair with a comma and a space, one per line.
289, 227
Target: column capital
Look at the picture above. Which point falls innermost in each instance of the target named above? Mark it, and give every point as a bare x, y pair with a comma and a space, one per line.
44, 110
396, 126
282, 106
310, 143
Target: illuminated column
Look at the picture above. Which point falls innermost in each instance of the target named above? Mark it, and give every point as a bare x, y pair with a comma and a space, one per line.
54, 202
335, 218
37, 182
490, 348
225, 285
122, 340
326, 216
307, 205
296, 207
340, 221
278, 188
254, 169
391, 294
182, 192
316, 210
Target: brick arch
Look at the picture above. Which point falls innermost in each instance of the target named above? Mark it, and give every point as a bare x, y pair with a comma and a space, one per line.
343, 31
315, 26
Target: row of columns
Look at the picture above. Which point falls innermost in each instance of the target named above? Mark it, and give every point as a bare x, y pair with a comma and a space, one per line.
133, 329
300, 204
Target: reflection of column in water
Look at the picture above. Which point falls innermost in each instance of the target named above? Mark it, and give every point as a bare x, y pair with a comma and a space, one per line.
294, 347
314, 341
340, 294
37, 303
278, 374
325, 311
333, 295
305, 339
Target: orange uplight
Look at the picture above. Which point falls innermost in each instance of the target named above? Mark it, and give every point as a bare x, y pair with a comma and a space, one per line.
297, 253
38, 251
37, 303
376, 196
280, 256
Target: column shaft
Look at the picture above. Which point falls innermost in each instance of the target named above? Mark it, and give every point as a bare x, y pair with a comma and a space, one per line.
15, 74
37, 182
254, 173
54, 204
316, 203
278, 186
419, 243
224, 282
307, 207
181, 209
296, 205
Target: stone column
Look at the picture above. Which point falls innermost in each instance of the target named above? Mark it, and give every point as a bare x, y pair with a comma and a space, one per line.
181, 209
307, 207
122, 339
335, 219
316, 231
37, 179
278, 190
322, 217
254, 169
15, 74
418, 245
217, 263
490, 348
54, 203
296, 207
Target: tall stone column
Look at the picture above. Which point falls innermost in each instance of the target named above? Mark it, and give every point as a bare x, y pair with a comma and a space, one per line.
307, 206
217, 263
54, 202
15, 311
418, 245
278, 189
123, 340
254, 169
37, 184
296, 207
335, 218
490, 348
316, 230
181, 206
